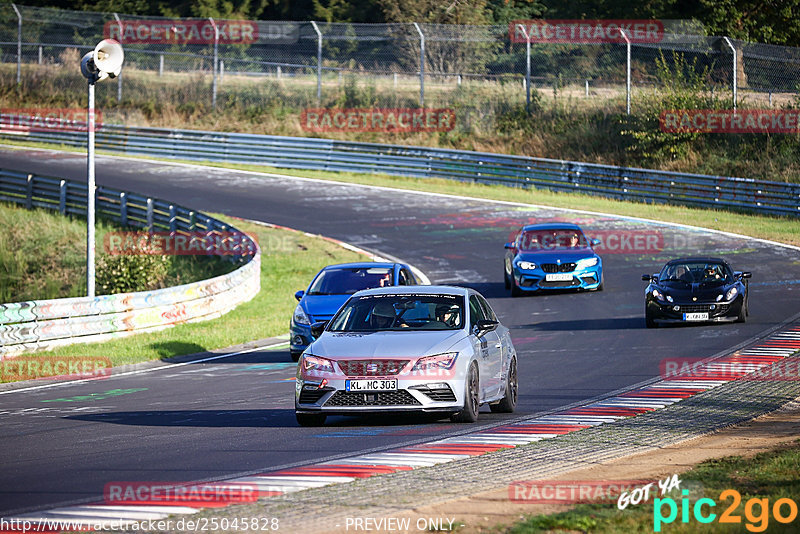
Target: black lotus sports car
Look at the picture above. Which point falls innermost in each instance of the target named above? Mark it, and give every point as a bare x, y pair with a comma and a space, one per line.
702, 289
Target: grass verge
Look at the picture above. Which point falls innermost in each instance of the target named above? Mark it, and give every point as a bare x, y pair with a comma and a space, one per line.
289, 260
760, 481
43, 256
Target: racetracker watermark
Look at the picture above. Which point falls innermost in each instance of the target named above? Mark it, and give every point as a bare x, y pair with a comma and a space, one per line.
742, 368
387, 120
173, 244
627, 241
177, 31
54, 368
569, 491
24, 120
786, 121
585, 31
207, 493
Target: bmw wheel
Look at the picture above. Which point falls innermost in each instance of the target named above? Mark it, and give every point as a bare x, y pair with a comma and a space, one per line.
469, 414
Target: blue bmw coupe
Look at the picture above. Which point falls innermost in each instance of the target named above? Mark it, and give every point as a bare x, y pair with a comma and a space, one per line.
331, 287
551, 256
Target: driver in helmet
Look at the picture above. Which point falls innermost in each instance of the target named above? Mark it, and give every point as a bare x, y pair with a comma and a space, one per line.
447, 314
383, 315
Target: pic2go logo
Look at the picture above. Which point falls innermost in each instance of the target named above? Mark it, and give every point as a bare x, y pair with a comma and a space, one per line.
756, 511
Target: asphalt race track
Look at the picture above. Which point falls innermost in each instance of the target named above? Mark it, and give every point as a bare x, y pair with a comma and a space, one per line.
235, 415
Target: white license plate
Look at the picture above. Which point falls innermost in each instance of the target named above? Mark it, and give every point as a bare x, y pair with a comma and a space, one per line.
378, 384
695, 316
558, 277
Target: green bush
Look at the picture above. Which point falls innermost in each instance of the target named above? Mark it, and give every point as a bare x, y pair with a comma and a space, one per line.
134, 271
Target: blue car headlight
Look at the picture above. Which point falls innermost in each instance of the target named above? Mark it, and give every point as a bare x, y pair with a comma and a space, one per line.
300, 317
526, 265
586, 263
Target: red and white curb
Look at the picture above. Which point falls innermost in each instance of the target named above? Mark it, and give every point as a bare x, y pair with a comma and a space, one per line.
629, 404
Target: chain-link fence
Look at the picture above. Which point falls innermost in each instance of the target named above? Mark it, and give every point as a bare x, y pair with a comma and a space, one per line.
201, 64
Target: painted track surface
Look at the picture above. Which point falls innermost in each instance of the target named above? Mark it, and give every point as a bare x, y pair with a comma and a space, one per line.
235, 415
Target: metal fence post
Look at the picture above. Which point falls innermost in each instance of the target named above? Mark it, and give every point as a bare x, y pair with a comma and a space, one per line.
733, 49
62, 197
29, 192
119, 77
123, 209
19, 43
627, 73
214, 75
161, 64
521, 27
319, 62
150, 215
421, 66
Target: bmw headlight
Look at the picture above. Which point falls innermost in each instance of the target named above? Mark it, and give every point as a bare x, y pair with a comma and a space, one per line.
526, 265
732, 292
315, 363
585, 263
300, 316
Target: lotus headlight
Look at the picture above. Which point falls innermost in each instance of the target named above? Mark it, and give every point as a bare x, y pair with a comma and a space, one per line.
439, 361
526, 265
732, 292
670, 299
300, 316
657, 294
585, 263
315, 363
719, 297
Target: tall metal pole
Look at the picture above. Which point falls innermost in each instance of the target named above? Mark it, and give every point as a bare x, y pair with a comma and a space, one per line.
19, 43
119, 78
521, 28
90, 196
319, 62
214, 76
421, 66
733, 49
628, 73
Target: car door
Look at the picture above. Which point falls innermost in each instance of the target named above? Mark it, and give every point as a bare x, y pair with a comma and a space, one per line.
486, 348
495, 347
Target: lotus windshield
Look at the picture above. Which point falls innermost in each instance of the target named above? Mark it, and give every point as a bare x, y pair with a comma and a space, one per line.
372, 313
696, 272
347, 281
536, 240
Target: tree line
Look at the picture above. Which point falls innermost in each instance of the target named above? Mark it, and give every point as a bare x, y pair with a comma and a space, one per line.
766, 21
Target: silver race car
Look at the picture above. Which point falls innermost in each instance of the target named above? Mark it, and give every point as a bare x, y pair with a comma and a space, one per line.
408, 349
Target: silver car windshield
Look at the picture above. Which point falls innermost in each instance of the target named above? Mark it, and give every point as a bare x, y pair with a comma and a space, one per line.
408, 313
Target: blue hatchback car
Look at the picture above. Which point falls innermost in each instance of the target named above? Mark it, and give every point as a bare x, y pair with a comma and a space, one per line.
551, 256
331, 288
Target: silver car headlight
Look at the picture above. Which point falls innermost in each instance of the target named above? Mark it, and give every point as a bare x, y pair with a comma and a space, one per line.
585, 263
315, 363
732, 292
300, 316
438, 361
526, 265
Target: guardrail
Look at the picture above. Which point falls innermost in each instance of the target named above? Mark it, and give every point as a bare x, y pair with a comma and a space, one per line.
622, 183
42, 324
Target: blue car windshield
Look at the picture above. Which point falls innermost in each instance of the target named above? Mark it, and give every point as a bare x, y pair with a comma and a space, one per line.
537, 240
347, 281
407, 313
